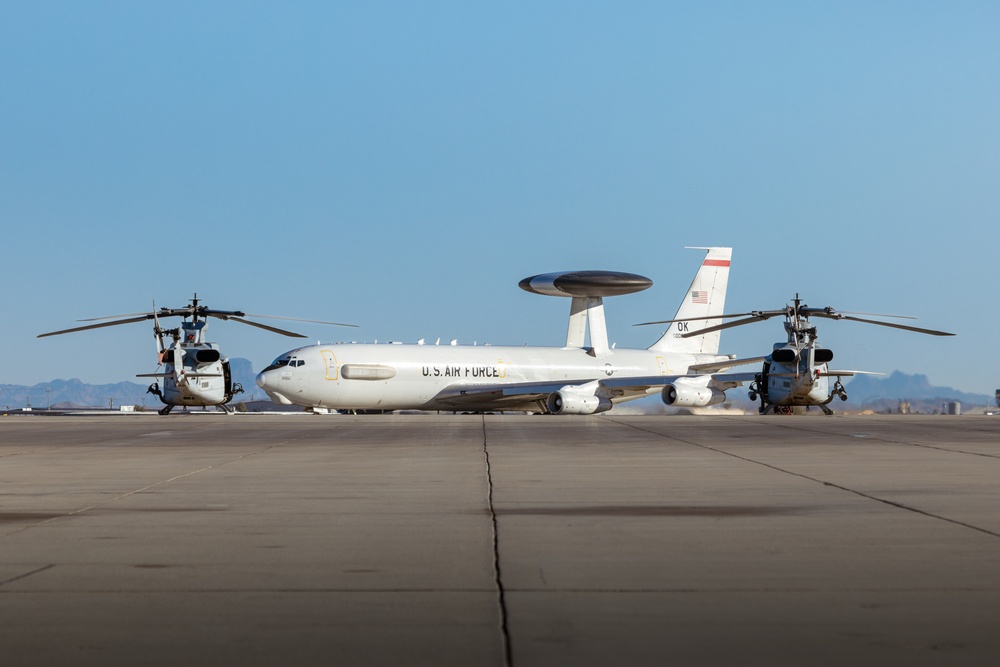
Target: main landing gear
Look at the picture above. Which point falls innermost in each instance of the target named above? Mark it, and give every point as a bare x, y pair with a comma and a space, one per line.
154, 389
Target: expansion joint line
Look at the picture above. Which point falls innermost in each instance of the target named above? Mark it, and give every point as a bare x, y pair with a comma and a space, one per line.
501, 597
862, 494
25, 575
802, 429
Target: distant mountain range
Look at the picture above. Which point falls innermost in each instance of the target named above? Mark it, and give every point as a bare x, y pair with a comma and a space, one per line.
886, 393
63, 394
902, 386
864, 391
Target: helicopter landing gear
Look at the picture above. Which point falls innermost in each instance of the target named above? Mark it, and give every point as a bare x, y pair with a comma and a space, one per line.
154, 389
826, 410
758, 390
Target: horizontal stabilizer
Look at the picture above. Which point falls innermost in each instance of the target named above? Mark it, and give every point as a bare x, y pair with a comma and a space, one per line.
847, 373
170, 375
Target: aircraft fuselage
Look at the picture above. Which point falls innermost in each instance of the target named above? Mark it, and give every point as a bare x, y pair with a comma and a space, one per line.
429, 377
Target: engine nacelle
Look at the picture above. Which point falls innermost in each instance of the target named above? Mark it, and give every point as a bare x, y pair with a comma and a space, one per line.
207, 356
683, 395
569, 402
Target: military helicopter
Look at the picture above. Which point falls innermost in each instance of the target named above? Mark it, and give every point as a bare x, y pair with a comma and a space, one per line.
194, 371
796, 373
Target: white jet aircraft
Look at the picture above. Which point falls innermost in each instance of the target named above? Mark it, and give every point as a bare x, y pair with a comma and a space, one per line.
575, 379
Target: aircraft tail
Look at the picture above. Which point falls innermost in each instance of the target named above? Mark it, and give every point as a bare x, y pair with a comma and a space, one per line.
706, 297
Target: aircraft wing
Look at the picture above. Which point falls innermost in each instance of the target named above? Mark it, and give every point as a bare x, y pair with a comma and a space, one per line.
636, 383
724, 365
523, 395
701, 372
501, 395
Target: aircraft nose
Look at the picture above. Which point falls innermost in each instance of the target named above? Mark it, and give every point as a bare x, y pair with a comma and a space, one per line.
267, 380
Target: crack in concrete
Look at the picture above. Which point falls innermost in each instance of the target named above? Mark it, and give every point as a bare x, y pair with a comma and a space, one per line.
501, 596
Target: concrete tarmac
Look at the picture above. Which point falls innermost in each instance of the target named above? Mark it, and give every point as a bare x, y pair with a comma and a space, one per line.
499, 540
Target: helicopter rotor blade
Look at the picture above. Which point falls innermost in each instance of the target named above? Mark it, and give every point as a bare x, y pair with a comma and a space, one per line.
221, 314
728, 325
762, 314
839, 316
130, 320
158, 335
298, 319
111, 317
830, 311
276, 330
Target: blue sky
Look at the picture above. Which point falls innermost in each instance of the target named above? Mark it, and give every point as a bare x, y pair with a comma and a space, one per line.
402, 165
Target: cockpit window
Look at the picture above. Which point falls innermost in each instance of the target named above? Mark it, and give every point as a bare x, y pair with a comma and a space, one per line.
280, 362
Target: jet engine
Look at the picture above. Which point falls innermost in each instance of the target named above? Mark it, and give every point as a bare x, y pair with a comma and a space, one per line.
685, 395
566, 401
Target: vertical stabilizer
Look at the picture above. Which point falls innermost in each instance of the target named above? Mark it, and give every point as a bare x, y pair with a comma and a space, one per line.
706, 297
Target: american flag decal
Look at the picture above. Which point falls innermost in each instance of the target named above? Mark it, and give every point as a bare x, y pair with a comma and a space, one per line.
699, 296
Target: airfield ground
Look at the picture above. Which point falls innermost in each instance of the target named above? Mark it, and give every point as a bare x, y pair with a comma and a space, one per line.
472, 540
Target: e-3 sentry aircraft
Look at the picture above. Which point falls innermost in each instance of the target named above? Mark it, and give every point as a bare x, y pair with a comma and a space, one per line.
576, 379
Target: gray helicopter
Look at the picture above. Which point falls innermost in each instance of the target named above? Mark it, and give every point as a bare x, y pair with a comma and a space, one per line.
195, 374
797, 372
